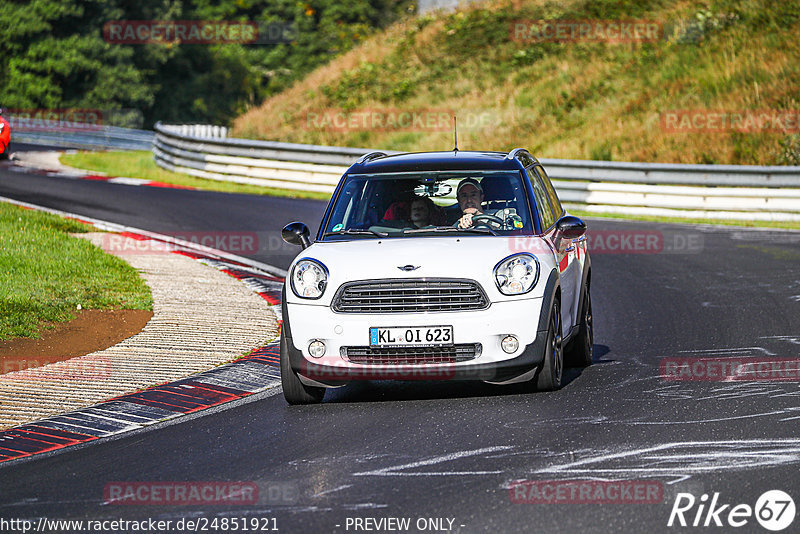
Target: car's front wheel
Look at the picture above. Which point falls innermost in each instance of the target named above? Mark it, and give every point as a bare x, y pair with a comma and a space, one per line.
549, 377
294, 391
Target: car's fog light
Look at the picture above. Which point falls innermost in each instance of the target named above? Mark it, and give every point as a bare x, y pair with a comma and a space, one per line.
510, 344
316, 349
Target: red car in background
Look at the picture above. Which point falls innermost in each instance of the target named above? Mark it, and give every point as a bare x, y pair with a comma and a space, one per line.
5, 135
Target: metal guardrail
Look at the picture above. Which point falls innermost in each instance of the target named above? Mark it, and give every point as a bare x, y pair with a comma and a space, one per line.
707, 191
89, 138
172, 135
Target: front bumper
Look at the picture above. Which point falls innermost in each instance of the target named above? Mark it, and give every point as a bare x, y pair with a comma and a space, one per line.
304, 323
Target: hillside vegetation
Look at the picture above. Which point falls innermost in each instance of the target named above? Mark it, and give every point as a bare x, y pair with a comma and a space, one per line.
583, 100
55, 55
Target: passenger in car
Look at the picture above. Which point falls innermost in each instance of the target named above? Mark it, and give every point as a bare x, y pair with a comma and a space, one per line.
422, 212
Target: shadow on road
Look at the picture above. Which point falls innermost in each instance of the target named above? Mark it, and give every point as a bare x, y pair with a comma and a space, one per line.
388, 391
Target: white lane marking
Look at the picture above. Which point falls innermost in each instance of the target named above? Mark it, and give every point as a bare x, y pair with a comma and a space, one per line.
681, 478
794, 340
701, 457
128, 181
393, 470
724, 391
729, 350
338, 488
606, 421
698, 421
363, 506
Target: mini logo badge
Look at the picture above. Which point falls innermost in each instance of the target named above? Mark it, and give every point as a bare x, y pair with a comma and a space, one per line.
409, 267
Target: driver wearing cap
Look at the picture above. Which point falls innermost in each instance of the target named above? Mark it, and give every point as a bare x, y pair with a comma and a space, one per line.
470, 197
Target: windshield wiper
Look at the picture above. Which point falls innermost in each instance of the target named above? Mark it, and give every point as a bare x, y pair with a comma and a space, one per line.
356, 231
448, 229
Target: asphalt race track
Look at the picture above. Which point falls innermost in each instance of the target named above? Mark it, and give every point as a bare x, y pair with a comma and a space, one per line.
451, 450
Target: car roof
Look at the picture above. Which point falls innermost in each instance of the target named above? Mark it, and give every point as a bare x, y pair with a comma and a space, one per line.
435, 161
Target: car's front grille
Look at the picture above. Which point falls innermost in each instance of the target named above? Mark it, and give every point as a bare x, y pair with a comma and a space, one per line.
412, 355
410, 295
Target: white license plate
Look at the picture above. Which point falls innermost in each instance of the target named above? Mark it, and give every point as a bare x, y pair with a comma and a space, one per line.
411, 335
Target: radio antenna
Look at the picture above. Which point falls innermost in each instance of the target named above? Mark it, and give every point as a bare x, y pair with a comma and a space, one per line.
455, 134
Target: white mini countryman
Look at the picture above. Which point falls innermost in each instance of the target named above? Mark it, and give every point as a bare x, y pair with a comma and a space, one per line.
437, 266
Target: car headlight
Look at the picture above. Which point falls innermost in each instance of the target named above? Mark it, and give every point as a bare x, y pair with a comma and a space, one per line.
517, 274
309, 278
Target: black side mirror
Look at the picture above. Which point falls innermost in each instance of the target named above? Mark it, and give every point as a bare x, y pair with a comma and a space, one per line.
296, 233
570, 227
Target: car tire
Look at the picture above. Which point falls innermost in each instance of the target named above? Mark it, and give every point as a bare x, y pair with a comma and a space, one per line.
294, 391
581, 349
549, 376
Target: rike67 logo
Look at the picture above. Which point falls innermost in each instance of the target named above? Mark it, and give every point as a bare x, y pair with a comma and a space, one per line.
774, 510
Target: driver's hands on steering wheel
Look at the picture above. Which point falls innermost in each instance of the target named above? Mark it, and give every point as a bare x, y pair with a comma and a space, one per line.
480, 219
466, 220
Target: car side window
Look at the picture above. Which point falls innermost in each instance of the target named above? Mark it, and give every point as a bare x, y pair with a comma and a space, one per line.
558, 210
542, 201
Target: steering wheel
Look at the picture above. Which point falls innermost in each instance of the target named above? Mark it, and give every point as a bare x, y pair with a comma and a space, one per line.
484, 218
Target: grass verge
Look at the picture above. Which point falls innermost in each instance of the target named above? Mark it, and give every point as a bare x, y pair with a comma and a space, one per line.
140, 164
47, 274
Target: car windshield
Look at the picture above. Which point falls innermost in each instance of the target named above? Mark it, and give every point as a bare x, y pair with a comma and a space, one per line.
396, 205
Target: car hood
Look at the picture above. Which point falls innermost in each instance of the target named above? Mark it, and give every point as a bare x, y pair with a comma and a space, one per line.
471, 257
